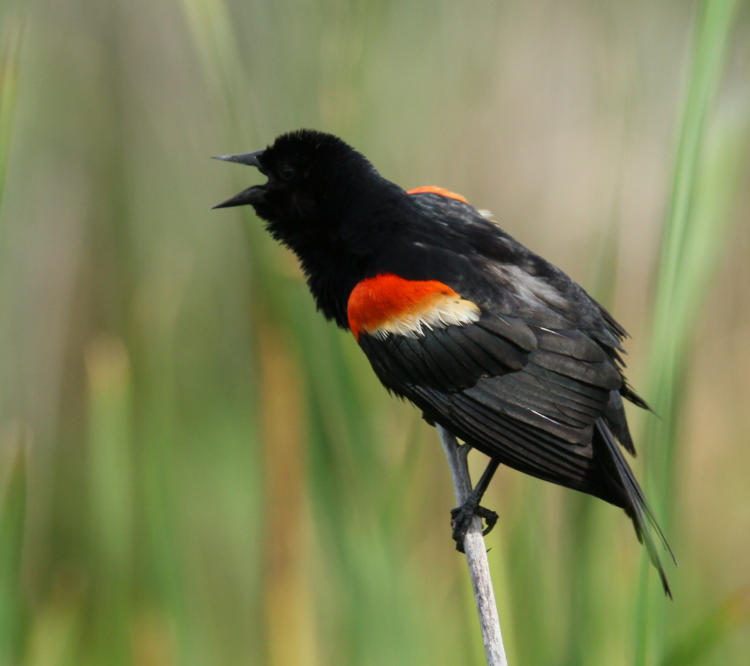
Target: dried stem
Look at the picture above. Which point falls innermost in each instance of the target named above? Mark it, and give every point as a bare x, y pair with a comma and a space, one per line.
476, 554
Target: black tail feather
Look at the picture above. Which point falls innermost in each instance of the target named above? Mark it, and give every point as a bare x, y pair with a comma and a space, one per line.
628, 393
635, 503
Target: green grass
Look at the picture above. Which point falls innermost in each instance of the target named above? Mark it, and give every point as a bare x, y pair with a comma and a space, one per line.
196, 468
693, 236
9, 51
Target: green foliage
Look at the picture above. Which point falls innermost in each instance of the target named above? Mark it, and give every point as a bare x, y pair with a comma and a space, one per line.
12, 513
694, 233
10, 42
196, 468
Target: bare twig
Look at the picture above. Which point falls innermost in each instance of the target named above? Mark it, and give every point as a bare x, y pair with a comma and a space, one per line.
476, 554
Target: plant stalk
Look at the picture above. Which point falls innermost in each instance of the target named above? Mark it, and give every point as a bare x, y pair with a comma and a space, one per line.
476, 554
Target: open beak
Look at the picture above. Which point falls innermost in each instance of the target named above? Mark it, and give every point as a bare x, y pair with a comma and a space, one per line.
251, 194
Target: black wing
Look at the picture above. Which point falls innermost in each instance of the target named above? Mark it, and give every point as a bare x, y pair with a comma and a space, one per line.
536, 382
524, 394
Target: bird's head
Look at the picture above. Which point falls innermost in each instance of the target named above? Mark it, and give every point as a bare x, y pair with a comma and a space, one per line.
313, 179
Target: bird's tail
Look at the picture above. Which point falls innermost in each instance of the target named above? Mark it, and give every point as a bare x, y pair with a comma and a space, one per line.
635, 504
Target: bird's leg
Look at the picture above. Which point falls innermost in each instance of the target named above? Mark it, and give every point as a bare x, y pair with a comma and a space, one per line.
462, 516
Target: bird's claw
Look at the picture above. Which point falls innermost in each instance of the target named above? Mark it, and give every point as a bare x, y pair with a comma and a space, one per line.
462, 516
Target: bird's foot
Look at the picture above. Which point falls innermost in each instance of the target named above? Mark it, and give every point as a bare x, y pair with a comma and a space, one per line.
462, 516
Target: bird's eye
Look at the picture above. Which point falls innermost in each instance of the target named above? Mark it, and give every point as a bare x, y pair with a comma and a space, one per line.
286, 172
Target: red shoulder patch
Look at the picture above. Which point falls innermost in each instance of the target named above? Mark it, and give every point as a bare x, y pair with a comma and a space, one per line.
388, 303
433, 189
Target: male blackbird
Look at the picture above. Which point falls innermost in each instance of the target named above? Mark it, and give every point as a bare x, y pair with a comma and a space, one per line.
488, 339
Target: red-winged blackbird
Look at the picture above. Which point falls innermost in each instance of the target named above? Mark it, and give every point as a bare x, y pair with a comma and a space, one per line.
488, 339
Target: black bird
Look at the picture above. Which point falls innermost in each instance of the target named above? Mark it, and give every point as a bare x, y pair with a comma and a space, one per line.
488, 339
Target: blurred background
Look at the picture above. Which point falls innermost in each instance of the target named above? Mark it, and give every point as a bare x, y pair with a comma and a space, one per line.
195, 468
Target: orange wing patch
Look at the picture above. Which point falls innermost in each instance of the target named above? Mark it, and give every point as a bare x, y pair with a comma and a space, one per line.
433, 189
388, 304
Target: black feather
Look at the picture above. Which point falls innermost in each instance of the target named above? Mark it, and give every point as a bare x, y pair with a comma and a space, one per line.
634, 502
536, 382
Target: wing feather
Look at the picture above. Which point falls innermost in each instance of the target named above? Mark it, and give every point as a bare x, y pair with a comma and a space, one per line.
536, 381
528, 396
603, 374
